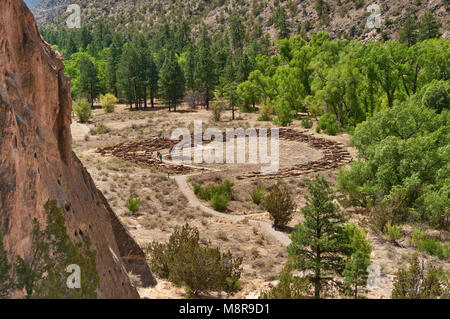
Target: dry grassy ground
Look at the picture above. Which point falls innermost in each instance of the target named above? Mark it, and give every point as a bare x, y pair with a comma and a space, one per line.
164, 207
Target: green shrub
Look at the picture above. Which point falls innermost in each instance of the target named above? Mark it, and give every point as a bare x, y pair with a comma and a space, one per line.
133, 204
219, 195
82, 110
200, 268
220, 202
280, 205
393, 232
207, 192
417, 237
44, 275
328, 124
432, 247
217, 109
265, 113
100, 129
108, 102
258, 195
418, 282
307, 123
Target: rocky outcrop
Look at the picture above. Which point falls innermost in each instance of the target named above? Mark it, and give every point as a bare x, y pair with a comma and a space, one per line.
37, 162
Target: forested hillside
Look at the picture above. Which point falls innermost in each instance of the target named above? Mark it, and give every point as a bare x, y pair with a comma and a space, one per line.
278, 18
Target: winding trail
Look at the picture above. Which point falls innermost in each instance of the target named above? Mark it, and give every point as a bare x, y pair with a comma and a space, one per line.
187, 191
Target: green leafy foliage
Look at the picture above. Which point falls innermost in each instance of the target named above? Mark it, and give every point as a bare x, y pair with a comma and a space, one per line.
82, 110
403, 166
418, 282
100, 129
219, 195
108, 102
289, 287
359, 249
6, 284
307, 123
133, 204
45, 276
258, 195
393, 232
328, 124
434, 248
220, 202
200, 268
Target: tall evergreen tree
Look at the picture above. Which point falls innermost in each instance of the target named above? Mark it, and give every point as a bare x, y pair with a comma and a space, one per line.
171, 81
114, 54
191, 68
89, 79
429, 27
205, 66
153, 79
127, 73
408, 32
319, 242
355, 272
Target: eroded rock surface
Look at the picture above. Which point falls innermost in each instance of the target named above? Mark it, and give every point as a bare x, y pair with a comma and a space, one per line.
37, 162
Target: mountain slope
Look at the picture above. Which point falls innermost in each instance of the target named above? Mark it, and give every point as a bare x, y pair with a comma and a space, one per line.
339, 17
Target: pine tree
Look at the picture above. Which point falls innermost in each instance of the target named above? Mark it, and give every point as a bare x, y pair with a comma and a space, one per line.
205, 66
89, 79
44, 275
319, 242
190, 67
127, 73
408, 33
171, 81
153, 79
429, 27
355, 272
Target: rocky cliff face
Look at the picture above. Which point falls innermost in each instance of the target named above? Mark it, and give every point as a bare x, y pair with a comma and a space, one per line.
37, 163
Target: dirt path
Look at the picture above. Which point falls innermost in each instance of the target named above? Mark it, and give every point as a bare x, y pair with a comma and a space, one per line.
195, 202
